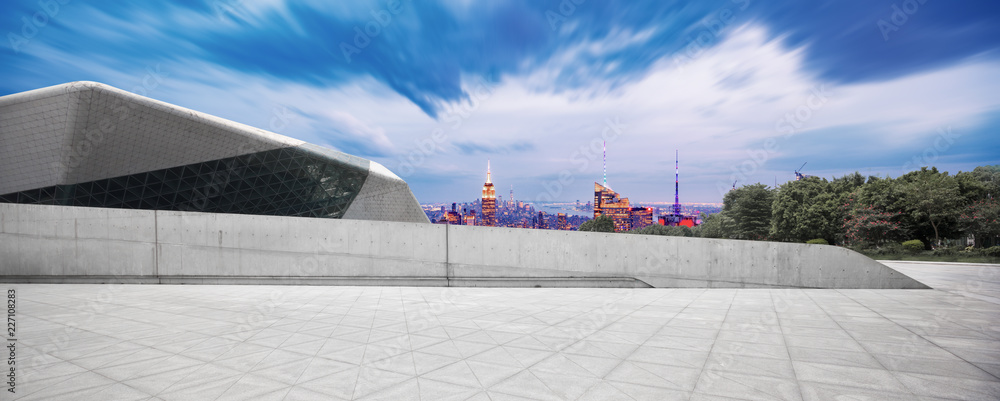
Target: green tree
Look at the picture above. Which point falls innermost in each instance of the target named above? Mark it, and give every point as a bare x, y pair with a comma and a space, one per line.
809, 208
750, 209
866, 225
932, 197
717, 225
989, 176
602, 224
982, 219
970, 187
656, 229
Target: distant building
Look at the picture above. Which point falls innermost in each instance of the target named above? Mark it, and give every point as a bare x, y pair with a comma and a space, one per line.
609, 203
540, 224
640, 217
453, 217
561, 220
674, 220
489, 201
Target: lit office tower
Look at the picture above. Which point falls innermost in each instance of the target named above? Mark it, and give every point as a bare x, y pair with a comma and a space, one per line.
561, 219
609, 203
489, 200
453, 216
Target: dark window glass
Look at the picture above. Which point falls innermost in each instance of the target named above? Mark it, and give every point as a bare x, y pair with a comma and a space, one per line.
306, 181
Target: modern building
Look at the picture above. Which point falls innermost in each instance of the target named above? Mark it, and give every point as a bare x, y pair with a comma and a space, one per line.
609, 203
640, 217
453, 216
470, 219
561, 221
89, 144
489, 200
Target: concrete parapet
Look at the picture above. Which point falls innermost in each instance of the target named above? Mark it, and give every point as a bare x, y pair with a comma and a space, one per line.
40, 243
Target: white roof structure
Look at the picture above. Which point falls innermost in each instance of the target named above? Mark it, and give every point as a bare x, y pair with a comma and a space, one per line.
90, 144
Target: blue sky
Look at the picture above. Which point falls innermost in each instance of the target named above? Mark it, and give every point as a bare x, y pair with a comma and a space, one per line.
745, 90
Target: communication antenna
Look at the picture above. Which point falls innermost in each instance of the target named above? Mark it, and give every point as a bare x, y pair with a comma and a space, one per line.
605, 164
677, 181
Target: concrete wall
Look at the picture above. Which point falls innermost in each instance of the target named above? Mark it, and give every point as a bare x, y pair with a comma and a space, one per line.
41, 243
482, 254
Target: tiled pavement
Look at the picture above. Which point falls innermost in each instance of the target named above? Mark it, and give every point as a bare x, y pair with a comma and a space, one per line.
117, 342
972, 280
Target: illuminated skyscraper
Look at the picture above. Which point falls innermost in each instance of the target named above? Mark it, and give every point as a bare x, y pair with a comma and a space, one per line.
561, 221
453, 216
489, 200
608, 203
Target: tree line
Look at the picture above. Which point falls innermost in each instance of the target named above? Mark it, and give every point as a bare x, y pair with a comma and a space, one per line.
861, 212
926, 204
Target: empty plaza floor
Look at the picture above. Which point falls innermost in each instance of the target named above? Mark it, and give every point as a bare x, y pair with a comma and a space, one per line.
136, 342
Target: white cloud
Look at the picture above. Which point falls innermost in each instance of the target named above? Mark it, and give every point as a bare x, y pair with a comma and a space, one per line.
712, 109
716, 107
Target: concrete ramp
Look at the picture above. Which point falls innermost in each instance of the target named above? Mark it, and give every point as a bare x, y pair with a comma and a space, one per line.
43, 243
488, 255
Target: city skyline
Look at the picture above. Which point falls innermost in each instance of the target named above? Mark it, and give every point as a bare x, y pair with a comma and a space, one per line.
748, 91
492, 210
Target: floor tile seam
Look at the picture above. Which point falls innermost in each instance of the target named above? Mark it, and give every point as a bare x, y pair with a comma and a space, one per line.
67, 377
714, 341
559, 352
896, 379
921, 337
106, 377
965, 299
101, 386
216, 358
409, 334
313, 357
791, 361
357, 378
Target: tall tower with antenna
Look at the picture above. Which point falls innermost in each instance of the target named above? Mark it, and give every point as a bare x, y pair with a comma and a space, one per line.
489, 200
605, 164
677, 183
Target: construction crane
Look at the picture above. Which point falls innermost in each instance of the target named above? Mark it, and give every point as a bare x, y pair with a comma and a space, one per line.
798, 175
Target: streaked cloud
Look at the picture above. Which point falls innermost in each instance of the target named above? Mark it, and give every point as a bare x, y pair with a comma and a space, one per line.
441, 86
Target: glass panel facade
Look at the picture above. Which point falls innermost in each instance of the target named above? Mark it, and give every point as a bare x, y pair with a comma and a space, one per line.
293, 181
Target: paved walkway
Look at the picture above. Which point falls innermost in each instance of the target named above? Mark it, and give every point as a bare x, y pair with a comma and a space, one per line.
973, 280
121, 342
